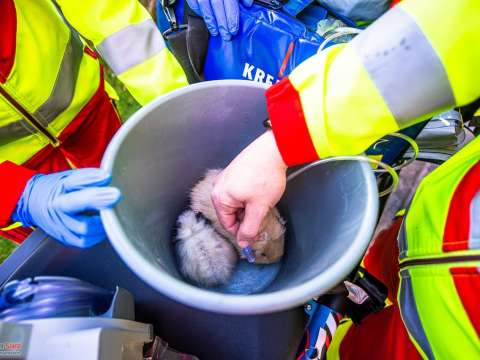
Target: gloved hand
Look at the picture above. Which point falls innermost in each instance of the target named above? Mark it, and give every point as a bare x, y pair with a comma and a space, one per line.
221, 16
65, 205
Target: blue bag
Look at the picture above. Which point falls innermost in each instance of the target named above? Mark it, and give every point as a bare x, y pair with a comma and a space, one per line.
270, 43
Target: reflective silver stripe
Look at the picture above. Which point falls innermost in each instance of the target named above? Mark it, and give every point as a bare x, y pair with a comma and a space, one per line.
60, 98
404, 66
131, 46
402, 241
410, 315
64, 88
474, 238
14, 131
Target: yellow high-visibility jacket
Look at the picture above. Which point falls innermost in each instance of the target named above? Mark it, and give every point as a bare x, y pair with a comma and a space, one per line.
48, 74
53, 108
420, 58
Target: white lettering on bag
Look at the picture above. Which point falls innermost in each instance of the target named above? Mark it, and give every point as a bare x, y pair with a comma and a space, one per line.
247, 71
259, 75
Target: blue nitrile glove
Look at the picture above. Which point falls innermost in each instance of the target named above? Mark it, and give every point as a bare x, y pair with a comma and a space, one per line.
220, 16
65, 205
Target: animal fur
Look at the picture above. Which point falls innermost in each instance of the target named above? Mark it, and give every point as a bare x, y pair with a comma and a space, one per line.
269, 246
207, 253
204, 255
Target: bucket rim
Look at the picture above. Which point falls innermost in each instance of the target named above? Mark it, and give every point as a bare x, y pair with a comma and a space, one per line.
216, 302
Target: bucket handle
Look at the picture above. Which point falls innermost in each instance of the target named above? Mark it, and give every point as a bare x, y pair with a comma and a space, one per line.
404, 163
385, 167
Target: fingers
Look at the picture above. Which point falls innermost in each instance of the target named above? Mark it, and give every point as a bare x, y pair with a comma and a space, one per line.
81, 178
81, 232
232, 12
95, 198
227, 215
218, 7
250, 225
84, 226
83, 242
208, 16
220, 16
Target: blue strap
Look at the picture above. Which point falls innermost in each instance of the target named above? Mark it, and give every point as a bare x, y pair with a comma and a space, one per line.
294, 7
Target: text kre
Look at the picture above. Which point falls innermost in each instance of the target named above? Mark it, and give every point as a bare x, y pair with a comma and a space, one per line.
258, 75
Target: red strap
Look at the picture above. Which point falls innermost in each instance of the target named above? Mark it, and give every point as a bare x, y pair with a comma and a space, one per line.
13, 179
8, 31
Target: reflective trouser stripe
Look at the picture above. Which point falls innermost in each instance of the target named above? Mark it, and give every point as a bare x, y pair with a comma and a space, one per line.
404, 51
474, 236
410, 315
434, 315
402, 241
131, 46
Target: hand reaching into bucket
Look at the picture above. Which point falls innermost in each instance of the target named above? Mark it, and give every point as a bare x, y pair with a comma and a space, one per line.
251, 185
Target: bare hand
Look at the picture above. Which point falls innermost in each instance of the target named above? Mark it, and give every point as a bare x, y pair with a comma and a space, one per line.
250, 185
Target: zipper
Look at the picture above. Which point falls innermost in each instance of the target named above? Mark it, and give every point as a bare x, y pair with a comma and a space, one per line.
30, 118
441, 260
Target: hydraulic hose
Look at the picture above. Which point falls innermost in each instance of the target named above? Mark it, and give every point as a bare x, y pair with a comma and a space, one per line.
51, 296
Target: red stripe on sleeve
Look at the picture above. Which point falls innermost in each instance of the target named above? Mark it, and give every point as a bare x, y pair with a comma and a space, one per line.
288, 124
457, 226
13, 179
8, 29
467, 283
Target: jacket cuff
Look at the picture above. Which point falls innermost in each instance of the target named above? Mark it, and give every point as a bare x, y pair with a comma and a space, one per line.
289, 125
13, 178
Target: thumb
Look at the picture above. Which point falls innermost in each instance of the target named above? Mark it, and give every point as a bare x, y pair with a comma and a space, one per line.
247, 3
95, 198
250, 225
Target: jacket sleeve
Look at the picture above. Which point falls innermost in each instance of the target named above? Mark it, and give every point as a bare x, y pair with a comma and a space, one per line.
128, 40
13, 179
420, 58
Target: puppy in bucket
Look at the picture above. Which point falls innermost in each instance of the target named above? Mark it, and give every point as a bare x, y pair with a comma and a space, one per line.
207, 253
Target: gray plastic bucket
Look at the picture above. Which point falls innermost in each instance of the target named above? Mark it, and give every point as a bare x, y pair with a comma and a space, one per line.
159, 154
